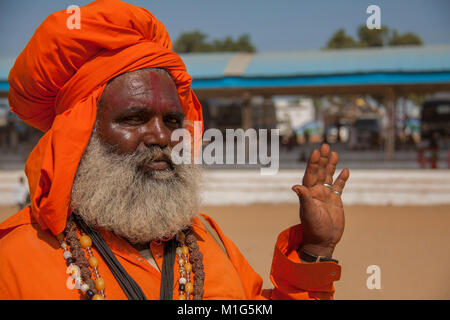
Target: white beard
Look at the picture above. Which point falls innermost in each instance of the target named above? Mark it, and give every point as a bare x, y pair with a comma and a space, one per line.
109, 191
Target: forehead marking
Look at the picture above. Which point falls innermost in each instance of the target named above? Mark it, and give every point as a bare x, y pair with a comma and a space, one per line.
156, 88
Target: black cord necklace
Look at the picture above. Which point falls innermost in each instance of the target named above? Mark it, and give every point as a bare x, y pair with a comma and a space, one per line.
126, 282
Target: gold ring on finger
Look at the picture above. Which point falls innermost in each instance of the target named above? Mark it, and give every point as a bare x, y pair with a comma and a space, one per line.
327, 185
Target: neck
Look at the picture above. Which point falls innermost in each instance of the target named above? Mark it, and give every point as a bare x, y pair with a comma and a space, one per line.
140, 246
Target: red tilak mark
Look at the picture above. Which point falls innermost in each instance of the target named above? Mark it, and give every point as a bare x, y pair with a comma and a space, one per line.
154, 82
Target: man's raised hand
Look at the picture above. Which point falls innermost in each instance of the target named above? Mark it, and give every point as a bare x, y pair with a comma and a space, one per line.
321, 209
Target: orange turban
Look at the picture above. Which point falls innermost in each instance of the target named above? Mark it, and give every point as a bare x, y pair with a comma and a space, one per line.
59, 77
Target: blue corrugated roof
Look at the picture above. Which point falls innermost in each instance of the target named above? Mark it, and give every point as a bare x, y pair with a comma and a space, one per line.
324, 80
350, 67
392, 65
206, 65
350, 61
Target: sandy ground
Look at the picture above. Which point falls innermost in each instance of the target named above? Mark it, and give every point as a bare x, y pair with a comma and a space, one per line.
410, 245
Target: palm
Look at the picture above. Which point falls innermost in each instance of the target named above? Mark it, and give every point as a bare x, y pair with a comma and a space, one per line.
321, 209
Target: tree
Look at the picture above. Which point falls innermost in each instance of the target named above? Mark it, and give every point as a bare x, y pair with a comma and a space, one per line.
372, 37
192, 42
340, 40
408, 38
244, 43
195, 41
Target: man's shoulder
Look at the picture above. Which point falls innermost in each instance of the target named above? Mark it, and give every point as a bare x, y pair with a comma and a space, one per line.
23, 239
207, 224
18, 236
22, 217
205, 218
32, 265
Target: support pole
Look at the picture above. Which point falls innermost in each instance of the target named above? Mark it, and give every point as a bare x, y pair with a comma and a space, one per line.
247, 117
269, 112
390, 103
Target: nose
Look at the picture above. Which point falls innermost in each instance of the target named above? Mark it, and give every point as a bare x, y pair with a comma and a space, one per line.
156, 133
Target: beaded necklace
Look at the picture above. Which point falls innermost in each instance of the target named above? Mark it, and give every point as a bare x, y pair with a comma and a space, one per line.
78, 265
190, 260
193, 263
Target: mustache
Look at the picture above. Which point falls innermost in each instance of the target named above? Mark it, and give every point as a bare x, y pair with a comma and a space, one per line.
153, 153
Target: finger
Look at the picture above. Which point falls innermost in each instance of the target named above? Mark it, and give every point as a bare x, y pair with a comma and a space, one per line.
310, 177
339, 184
305, 197
331, 167
323, 162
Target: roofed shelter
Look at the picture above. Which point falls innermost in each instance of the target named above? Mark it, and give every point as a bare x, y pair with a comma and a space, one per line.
391, 71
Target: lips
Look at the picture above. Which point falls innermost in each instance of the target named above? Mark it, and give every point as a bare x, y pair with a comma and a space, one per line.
156, 165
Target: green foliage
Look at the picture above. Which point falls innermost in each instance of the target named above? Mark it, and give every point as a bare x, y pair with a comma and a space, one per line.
196, 41
372, 38
340, 40
192, 42
408, 38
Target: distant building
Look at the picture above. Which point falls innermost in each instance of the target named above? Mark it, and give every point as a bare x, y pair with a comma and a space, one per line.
293, 113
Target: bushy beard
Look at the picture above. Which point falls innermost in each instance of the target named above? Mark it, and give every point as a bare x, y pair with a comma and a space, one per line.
112, 192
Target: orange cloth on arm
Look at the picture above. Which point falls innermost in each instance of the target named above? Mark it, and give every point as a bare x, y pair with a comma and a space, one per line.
55, 85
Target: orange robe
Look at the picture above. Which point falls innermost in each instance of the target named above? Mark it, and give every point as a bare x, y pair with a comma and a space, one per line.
32, 266
55, 85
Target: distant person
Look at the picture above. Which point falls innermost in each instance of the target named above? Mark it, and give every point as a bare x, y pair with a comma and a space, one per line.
292, 142
353, 140
434, 151
306, 134
302, 156
21, 194
338, 126
421, 157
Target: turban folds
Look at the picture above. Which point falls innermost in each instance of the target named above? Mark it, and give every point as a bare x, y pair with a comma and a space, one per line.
59, 77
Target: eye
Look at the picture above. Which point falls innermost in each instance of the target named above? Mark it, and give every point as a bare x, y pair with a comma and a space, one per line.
173, 121
132, 120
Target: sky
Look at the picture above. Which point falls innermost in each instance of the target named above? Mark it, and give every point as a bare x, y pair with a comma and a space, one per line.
281, 25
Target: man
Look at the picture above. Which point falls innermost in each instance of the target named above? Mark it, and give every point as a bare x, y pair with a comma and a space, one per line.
21, 195
111, 215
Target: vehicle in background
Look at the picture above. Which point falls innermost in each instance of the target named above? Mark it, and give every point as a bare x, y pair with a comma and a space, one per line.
435, 122
366, 133
435, 129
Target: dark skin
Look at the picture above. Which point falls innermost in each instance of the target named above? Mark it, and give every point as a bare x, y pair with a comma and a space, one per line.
141, 108
321, 209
